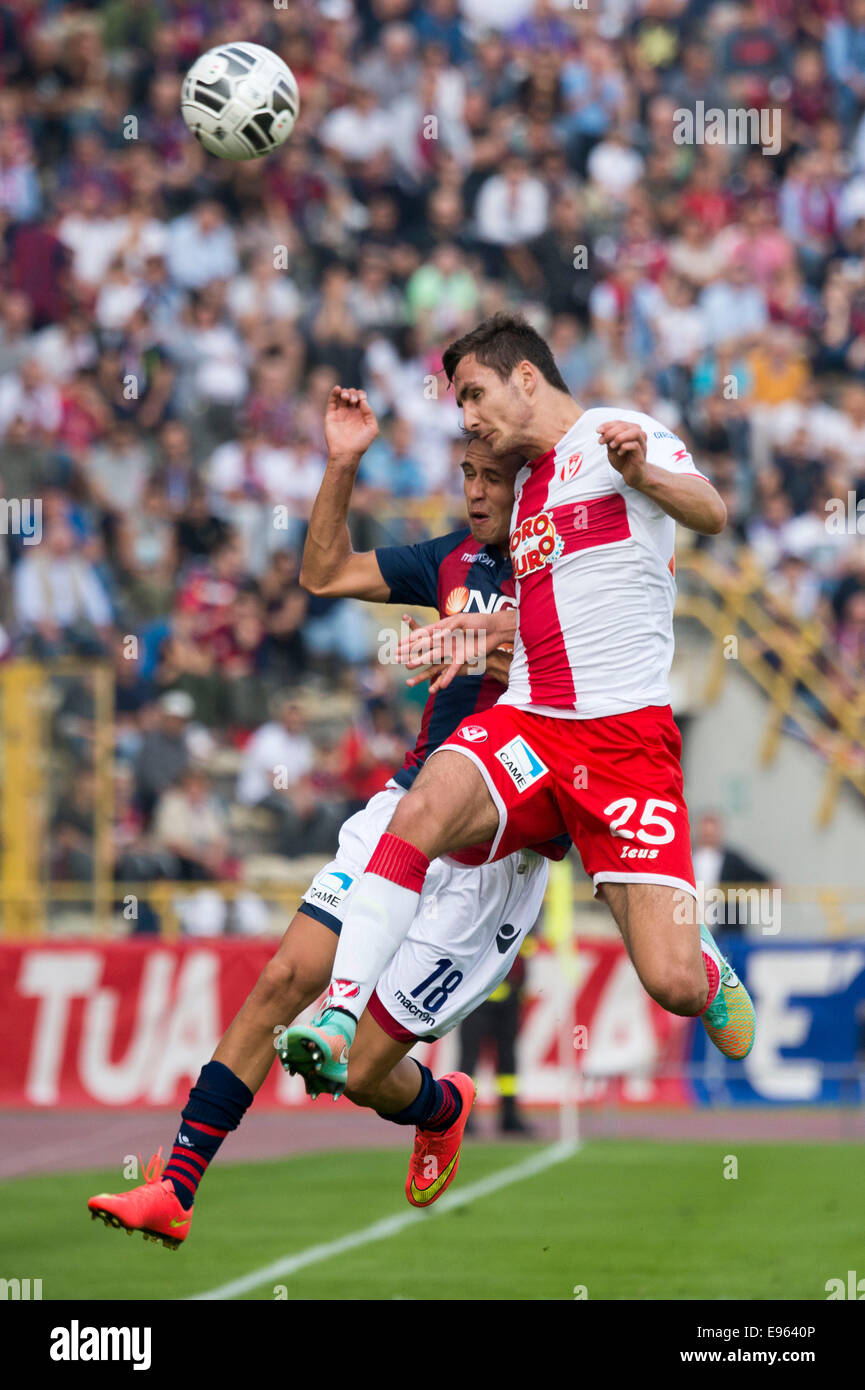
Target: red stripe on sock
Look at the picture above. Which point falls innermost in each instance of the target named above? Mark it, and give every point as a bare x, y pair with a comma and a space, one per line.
399, 861
187, 1168
178, 1177
205, 1129
178, 1152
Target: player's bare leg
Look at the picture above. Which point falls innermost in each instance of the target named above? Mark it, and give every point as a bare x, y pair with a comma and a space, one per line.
399, 1088
448, 808
161, 1207
292, 980
679, 963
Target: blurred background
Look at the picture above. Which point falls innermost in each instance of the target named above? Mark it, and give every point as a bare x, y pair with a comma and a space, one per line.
170, 328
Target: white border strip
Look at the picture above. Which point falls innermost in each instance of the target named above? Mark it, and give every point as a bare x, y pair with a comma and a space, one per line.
491, 788
391, 1225
639, 876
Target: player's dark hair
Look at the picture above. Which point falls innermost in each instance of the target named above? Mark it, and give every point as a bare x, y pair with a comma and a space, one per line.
502, 342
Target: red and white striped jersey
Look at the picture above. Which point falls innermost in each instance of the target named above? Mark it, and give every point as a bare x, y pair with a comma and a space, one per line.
593, 564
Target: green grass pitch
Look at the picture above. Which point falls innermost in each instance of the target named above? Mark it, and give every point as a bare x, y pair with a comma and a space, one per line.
625, 1219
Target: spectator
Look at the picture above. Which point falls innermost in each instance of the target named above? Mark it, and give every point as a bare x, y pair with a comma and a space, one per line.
60, 604
278, 755
190, 824
164, 752
717, 864
201, 247
372, 751
512, 206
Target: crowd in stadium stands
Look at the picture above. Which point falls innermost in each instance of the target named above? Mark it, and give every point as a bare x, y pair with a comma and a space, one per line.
171, 325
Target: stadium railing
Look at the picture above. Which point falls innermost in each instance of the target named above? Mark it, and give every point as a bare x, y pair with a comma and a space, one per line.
789, 658
798, 912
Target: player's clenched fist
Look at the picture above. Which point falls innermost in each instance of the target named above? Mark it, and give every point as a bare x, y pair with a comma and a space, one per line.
349, 424
626, 445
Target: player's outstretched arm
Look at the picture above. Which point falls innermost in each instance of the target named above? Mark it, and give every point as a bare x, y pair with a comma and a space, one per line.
687, 498
329, 565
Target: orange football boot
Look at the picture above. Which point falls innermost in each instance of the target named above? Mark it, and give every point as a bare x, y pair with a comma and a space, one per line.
152, 1208
436, 1158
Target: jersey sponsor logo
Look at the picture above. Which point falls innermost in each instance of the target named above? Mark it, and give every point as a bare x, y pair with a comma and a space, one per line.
665, 434
343, 989
571, 468
463, 600
481, 556
631, 852
522, 763
329, 888
535, 543
680, 455
473, 733
506, 936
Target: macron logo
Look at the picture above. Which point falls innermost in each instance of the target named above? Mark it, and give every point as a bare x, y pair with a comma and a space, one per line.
76, 1343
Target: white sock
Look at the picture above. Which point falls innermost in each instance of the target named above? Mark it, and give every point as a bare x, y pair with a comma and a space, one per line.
375, 926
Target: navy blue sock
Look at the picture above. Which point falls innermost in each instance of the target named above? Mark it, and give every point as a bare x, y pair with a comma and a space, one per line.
435, 1107
217, 1103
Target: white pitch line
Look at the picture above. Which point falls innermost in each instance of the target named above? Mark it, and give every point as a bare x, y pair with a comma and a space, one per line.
391, 1225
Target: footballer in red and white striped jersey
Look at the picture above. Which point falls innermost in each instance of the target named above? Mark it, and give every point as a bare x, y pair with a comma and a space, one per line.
593, 563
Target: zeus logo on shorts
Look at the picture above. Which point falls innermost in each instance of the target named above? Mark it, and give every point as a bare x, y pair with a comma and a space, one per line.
524, 767
535, 543
329, 888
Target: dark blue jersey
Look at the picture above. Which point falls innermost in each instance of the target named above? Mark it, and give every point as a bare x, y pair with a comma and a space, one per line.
452, 574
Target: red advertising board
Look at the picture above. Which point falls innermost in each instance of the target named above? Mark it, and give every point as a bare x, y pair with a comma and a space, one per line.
129, 1023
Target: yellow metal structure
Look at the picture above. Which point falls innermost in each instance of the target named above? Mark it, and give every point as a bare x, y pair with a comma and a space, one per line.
22, 797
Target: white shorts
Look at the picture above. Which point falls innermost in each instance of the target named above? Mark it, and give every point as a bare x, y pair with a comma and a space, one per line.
465, 936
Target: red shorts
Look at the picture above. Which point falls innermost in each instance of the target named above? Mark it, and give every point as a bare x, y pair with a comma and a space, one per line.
613, 784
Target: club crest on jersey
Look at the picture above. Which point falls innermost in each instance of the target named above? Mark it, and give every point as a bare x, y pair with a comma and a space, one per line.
570, 468
521, 763
535, 543
473, 733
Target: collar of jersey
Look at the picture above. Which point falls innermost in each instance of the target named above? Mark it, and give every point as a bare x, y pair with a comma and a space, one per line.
541, 459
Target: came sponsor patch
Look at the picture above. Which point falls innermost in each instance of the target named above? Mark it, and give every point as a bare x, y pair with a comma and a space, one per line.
329, 888
523, 765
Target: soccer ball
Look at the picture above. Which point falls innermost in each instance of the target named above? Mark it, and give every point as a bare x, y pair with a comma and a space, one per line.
240, 101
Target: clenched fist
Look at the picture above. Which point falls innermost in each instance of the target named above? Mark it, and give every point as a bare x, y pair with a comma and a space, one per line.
626, 445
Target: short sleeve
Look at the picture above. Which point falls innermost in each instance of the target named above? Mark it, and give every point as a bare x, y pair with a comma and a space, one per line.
663, 449
411, 572
667, 450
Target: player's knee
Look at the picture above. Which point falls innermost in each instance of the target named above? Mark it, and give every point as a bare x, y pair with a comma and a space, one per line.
286, 984
678, 990
418, 817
